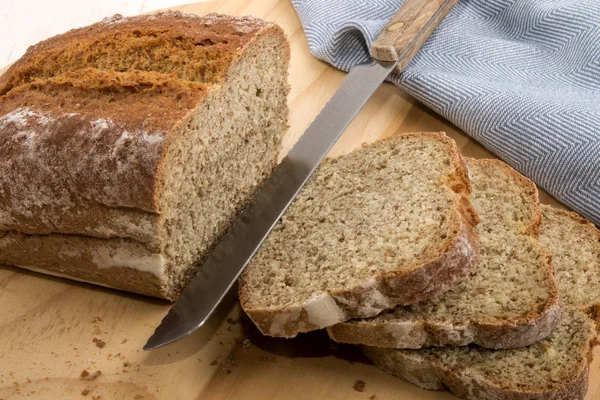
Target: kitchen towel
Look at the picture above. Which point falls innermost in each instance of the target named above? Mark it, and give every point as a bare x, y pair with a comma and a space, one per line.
522, 77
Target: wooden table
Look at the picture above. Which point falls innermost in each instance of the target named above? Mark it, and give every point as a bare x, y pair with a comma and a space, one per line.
48, 325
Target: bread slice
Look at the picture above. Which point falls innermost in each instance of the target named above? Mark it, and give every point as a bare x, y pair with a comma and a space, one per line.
387, 224
554, 368
127, 147
510, 300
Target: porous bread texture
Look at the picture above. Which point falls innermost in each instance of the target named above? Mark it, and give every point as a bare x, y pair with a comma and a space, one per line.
143, 135
510, 300
387, 224
575, 247
555, 368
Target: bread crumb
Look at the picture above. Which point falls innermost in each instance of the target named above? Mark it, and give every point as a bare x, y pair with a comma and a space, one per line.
86, 376
123, 341
246, 343
268, 359
85, 392
359, 385
213, 363
232, 321
99, 342
372, 397
96, 397
96, 319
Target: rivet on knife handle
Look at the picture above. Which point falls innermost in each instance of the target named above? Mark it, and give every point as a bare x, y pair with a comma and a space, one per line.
408, 29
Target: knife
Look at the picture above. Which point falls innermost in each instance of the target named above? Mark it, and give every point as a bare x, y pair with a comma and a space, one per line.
393, 49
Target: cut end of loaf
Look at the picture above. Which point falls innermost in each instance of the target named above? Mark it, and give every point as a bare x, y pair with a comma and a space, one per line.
229, 146
372, 229
148, 133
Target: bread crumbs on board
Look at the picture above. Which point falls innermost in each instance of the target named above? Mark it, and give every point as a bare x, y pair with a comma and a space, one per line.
359, 385
86, 376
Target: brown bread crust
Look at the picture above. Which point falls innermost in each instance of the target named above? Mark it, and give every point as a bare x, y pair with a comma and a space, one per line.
87, 119
419, 334
384, 291
100, 132
464, 383
529, 328
471, 386
80, 258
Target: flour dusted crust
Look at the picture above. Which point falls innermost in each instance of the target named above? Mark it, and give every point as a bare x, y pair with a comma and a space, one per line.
384, 291
118, 263
83, 150
529, 328
72, 167
468, 385
576, 336
420, 334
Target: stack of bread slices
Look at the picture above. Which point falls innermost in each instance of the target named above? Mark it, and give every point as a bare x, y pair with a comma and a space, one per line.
447, 272
127, 148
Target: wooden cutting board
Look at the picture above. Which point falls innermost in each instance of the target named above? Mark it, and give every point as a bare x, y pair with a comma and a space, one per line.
51, 330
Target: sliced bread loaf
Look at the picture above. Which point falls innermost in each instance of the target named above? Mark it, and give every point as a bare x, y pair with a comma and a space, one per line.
387, 224
127, 147
509, 300
554, 368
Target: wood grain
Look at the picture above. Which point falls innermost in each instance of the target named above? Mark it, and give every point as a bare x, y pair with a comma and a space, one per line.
47, 325
409, 29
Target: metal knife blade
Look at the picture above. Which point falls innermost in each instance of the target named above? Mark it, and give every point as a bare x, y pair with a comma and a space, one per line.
231, 255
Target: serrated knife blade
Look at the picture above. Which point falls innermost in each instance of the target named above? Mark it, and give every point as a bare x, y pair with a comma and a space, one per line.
394, 47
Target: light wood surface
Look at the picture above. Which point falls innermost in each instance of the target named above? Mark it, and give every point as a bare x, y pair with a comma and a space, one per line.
409, 29
48, 325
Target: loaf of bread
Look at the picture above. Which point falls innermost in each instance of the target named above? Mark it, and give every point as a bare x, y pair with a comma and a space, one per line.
387, 224
554, 368
127, 147
509, 300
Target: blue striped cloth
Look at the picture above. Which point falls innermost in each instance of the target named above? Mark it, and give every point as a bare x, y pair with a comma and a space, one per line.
522, 77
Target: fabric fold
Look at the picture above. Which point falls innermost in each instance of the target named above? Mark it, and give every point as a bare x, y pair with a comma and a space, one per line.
522, 77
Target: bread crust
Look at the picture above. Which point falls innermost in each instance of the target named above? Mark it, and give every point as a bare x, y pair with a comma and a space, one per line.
433, 277
420, 334
466, 383
84, 145
97, 171
529, 328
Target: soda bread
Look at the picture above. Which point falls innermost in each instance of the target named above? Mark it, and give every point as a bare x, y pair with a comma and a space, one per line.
387, 224
127, 147
554, 368
509, 300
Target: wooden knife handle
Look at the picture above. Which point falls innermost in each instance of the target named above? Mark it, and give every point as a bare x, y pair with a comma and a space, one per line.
408, 30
